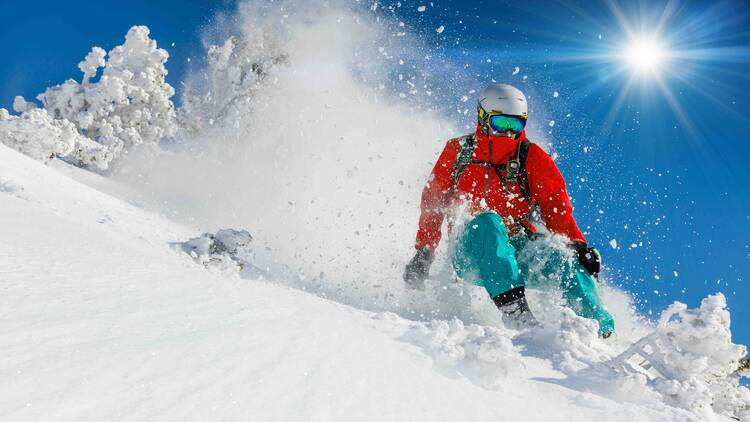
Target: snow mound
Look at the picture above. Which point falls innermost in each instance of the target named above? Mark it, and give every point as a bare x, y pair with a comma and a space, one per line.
9, 186
486, 355
690, 359
224, 250
571, 343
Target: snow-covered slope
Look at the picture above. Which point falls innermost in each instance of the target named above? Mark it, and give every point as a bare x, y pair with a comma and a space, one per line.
103, 319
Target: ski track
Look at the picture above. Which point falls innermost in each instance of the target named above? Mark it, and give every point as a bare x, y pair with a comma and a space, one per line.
101, 319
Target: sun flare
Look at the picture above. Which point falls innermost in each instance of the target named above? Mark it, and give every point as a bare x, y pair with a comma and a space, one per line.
644, 56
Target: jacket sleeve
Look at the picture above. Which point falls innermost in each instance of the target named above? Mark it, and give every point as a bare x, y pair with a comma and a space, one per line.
435, 196
547, 187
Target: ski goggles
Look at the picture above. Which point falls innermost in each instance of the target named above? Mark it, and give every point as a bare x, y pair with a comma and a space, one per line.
503, 123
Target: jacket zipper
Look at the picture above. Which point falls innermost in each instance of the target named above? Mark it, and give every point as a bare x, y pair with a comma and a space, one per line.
487, 178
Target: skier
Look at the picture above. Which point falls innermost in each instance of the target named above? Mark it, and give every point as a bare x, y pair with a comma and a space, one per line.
496, 178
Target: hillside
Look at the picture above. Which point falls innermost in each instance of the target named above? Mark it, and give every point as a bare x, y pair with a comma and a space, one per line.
104, 318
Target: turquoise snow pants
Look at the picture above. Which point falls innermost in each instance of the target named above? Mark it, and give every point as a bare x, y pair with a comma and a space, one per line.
486, 254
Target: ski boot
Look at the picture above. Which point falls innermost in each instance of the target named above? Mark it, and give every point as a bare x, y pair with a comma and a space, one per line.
515, 309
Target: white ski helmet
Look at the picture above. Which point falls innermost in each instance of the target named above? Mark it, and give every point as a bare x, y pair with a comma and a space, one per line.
504, 99
501, 99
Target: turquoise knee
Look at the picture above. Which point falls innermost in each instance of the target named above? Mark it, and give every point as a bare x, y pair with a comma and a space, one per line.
578, 287
581, 294
486, 252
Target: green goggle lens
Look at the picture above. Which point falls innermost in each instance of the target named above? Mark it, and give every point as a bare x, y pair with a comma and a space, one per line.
502, 123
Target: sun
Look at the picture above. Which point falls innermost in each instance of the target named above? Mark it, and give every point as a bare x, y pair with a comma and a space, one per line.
652, 53
644, 55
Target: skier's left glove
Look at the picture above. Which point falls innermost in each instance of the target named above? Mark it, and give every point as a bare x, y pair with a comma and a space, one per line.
589, 258
744, 367
418, 268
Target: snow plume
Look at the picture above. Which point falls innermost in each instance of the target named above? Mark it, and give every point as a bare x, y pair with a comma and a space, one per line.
93, 123
290, 135
236, 70
301, 130
486, 355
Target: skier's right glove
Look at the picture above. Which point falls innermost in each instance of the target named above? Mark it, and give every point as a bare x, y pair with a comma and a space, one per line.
589, 258
418, 268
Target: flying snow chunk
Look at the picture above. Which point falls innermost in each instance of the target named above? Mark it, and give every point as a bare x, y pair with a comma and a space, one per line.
551, 123
440, 29
225, 250
421, 9
613, 243
516, 70
555, 94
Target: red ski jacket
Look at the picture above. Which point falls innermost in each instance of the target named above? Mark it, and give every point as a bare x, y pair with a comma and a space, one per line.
481, 189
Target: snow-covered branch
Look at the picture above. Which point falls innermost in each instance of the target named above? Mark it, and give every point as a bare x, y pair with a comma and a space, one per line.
236, 70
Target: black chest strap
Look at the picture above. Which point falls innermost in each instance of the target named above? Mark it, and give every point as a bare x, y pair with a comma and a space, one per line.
523, 177
515, 168
467, 143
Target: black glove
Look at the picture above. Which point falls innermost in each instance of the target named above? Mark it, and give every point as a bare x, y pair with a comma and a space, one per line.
745, 365
589, 258
418, 268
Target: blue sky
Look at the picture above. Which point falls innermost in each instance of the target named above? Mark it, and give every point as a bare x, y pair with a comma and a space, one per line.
44, 41
664, 169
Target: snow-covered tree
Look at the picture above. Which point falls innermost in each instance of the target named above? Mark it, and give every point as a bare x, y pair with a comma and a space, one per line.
93, 123
129, 105
40, 136
236, 69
